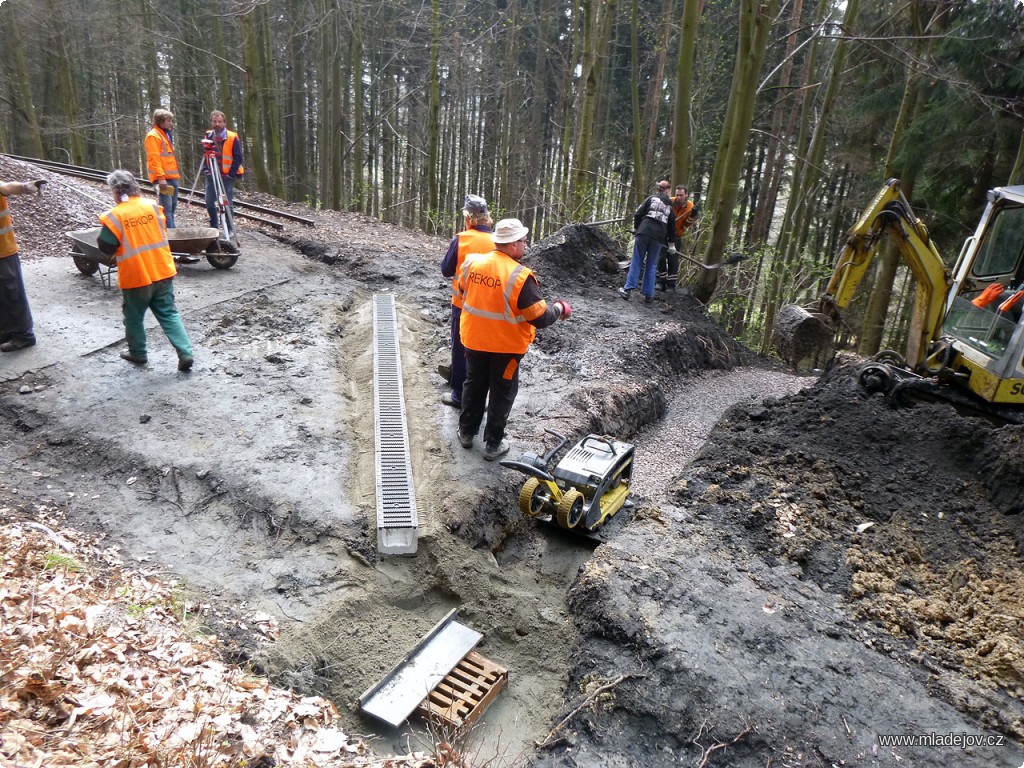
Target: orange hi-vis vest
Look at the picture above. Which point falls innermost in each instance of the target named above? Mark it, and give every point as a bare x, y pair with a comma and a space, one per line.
491, 320
160, 160
472, 241
227, 152
8, 245
683, 214
143, 256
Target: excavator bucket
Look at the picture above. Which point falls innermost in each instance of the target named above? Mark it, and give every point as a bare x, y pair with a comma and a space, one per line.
799, 333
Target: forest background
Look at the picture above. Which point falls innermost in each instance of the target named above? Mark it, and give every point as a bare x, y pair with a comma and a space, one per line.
784, 117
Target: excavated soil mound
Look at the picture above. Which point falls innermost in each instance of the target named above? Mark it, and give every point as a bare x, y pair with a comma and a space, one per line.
577, 252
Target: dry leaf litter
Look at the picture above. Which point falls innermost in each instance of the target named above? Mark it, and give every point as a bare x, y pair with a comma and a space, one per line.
103, 664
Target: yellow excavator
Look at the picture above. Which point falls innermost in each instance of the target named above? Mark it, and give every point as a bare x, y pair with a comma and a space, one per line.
966, 341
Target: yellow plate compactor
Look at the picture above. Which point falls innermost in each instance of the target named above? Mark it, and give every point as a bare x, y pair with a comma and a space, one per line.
589, 485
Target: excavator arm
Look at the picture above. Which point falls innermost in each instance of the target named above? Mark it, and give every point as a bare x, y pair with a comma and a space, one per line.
889, 214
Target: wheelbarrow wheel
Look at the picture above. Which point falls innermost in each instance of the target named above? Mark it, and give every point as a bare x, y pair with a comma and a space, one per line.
222, 254
570, 509
86, 266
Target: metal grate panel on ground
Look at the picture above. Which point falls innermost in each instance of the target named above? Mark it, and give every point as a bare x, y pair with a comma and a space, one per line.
397, 525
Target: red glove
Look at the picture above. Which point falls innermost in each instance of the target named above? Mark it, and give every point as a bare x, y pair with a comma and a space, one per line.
1007, 305
989, 295
565, 307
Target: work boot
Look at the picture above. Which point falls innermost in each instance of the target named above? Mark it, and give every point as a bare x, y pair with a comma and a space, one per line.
185, 363
126, 355
448, 398
465, 440
624, 293
648, 299
491, 452
186, 259
13, 345
446, 372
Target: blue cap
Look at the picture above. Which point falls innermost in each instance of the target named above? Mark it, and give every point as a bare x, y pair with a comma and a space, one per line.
474, 204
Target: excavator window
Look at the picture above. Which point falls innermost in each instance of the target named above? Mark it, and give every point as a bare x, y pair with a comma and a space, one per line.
1000, 253
1000, 259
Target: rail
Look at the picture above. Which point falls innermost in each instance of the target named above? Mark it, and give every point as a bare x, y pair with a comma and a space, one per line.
185, 195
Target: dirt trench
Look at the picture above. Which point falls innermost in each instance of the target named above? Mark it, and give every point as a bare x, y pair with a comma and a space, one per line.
251, 479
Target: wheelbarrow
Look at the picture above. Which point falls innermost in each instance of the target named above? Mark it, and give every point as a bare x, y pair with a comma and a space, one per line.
184, 241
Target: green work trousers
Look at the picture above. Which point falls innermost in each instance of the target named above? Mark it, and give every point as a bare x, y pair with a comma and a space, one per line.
158, 297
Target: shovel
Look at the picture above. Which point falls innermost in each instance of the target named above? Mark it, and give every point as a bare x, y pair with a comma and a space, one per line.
735, 259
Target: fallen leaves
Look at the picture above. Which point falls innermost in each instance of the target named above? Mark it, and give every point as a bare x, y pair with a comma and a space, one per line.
104, 666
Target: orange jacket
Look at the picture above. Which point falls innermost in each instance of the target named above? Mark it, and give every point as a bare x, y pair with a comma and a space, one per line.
226, 152
8, 245
472, 241
160, 160
491, 321
143, 256
684, 214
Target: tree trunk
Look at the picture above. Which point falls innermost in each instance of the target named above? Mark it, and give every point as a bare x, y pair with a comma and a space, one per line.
771, 179
598, 18
681, 127
877, 311
429, 217
255, 159
359, 186
29, 140
639, 180
755, 23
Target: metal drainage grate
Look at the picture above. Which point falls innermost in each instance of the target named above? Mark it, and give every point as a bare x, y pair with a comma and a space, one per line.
396, 502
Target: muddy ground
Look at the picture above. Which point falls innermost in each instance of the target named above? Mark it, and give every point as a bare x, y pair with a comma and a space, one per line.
798, 576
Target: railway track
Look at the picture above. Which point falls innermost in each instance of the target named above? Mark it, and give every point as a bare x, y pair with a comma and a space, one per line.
184, 195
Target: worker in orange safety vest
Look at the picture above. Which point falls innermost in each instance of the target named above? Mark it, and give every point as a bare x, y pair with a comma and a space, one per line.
475, 238
162, 164
135, 232
16, 331
501, 308
228, 147
668, 264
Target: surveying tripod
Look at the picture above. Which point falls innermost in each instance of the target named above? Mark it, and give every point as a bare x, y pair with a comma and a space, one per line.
225, 219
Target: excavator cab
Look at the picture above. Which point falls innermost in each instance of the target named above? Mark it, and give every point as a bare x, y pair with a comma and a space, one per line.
986, 301
966, 339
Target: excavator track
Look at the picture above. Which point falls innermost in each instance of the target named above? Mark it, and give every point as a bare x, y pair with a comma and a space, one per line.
903, 389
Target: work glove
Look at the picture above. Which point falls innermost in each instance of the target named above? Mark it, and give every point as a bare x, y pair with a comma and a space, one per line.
672, 249
1009, 304
989, 295
165, 189
564, 308
38, 184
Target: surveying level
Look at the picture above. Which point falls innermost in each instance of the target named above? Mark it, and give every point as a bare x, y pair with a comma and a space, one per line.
225, 221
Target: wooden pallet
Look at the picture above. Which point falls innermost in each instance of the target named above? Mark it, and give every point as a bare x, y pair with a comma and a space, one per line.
465, 692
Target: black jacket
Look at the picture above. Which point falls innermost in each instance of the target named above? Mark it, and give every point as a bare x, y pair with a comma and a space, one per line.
655, 220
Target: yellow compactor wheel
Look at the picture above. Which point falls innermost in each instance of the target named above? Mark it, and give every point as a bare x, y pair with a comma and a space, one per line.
532, 497
570, 509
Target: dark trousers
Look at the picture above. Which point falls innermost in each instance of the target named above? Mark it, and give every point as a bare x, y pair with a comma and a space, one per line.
15, 315
458, 355
211, 198
668, 270
492, 383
